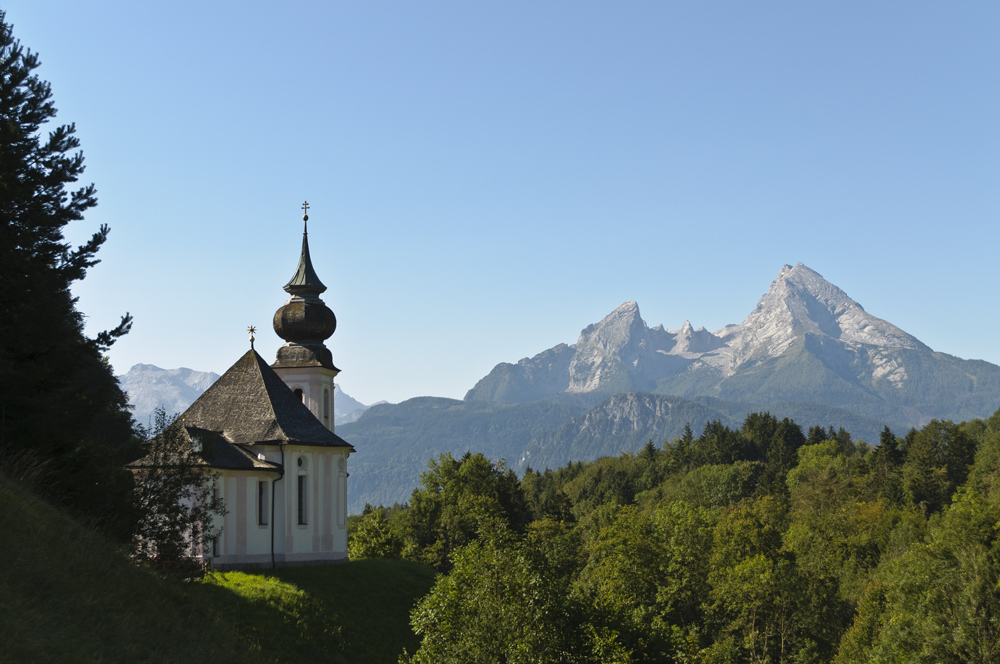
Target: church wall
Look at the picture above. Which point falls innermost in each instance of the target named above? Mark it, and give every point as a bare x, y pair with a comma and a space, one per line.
245, 543
325, 530
243, 539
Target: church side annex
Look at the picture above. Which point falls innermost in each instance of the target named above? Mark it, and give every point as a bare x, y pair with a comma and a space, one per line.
268, 432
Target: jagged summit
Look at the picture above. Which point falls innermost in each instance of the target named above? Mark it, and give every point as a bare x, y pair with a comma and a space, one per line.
610, 347
615, 329
799, 302
806, 341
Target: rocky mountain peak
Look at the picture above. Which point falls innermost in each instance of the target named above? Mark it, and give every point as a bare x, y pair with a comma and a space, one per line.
689, 340
614, 330
620, 353
802, 315
800, 301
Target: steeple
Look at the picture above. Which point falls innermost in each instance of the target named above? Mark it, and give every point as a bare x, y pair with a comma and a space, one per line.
304, 321
305, 281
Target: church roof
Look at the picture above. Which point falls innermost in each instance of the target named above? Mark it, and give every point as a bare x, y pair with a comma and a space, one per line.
214, 451
251, 405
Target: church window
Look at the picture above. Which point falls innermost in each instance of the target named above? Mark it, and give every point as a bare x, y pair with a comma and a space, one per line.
326, 404
215, 545
298, 393
302, 500
262, 502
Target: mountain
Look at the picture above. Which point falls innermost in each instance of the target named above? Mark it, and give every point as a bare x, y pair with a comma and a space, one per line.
625, 422
345, 408
149, 387
619, 354
622, 422
395, 441
806, 341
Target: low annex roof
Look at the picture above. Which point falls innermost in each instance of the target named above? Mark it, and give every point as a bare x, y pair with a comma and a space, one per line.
212, 451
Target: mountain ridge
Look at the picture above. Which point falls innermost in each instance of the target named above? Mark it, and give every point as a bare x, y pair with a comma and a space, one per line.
806, 340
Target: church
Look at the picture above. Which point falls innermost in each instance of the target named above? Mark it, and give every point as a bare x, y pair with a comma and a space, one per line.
268, 432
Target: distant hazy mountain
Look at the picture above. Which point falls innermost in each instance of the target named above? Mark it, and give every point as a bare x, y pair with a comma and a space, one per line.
394, 442
625, 422
149, 387
345, 408
806, 341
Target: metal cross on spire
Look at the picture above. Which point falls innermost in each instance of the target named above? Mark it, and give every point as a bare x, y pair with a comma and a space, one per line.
305, 210
251, 329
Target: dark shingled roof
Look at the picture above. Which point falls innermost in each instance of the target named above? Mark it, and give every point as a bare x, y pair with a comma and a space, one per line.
216, 452
250, 404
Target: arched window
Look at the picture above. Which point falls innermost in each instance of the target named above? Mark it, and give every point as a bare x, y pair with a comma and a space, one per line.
326, 404
298, 393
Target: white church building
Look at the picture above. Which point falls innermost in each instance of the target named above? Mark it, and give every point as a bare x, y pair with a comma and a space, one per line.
268, 432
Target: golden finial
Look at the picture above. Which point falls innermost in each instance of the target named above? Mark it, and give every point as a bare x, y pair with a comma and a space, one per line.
305, 211
251, 329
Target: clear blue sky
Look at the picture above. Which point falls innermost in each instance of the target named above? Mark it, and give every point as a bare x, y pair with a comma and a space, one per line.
486, 179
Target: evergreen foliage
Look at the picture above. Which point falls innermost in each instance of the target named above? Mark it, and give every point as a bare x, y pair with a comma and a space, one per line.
60, 404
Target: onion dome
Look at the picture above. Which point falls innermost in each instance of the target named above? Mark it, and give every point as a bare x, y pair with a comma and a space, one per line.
304, 321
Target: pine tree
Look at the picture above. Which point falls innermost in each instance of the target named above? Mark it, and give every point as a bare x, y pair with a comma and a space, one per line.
61, 407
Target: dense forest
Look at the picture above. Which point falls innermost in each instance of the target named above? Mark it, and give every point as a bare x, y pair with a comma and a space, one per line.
758, 544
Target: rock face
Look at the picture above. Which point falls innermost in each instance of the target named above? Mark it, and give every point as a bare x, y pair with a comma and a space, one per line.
619, 354
806, 341
801, 302
149, 387
622, 422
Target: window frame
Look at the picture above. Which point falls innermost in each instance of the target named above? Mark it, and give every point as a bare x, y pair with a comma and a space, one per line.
303, 500
262, 507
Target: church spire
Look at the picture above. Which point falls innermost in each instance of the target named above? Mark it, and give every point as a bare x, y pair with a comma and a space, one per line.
305, 281
304, 321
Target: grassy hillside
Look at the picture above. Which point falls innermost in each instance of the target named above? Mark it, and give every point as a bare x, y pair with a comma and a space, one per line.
360, 610
67, 595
